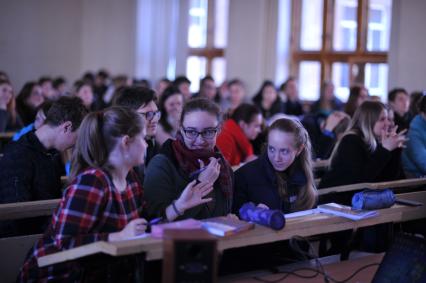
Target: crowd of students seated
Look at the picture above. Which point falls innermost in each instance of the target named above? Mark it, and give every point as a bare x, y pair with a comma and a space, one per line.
140, 153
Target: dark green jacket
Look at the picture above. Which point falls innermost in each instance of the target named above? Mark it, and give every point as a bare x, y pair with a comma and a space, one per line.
165, 181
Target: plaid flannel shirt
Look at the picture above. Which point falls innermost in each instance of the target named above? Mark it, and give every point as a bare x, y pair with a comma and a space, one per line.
90, 209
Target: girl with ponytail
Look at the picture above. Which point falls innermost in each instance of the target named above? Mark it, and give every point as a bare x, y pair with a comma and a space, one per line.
104, 200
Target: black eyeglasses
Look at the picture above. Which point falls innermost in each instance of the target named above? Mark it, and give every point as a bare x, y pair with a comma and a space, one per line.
205, 134
149, 116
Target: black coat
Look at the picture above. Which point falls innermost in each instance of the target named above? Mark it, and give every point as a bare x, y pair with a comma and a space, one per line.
29, 172
293, 108
257, 182
165, 181
355, 163
403, 122
322, 144
277, 107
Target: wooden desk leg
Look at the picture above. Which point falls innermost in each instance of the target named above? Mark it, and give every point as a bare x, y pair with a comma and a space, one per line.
347, 250
140, 268
110, 269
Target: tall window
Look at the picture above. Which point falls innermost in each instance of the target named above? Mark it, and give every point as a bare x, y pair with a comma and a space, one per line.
343, 41
207, 40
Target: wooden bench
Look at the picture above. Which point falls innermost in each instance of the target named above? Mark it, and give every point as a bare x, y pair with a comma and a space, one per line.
405, 183
13, 251
21, 210
321, 164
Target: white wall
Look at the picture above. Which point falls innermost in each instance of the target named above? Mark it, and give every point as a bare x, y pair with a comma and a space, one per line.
407, 54
39, 38
108, 35
66, 37
251, 51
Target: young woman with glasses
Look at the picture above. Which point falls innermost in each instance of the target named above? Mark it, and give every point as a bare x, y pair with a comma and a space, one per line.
190, 178
144, 101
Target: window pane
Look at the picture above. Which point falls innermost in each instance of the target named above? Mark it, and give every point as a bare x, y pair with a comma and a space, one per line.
221, 23
197, 30
219, 70
379, 19
195, 70
311, 28
376, 79
345, 25
340, 79
309, 80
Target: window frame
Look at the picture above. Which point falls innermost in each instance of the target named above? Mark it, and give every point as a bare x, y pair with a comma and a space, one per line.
209, 51
326, 56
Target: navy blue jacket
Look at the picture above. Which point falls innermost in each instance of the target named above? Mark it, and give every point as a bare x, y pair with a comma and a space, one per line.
29, 172
257, 182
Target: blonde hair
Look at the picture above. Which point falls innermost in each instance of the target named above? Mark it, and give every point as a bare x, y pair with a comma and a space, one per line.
307, 196
98, 135
362, 124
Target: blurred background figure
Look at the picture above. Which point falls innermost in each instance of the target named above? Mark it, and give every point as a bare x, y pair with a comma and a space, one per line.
60, 86
183, 83
47, 90
400, 103
207, 88
289, 94
268, 101
357, 95
171, 105
9, 118
162, 84
414, 155
327, 102
237, 94
29, 99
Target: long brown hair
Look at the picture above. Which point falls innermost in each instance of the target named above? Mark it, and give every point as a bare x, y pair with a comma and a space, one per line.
362, 124
307, 196
11, 105
98, 135
354, 94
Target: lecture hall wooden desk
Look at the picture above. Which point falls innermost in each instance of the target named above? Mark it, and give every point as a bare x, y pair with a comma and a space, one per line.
308, 225
339, 271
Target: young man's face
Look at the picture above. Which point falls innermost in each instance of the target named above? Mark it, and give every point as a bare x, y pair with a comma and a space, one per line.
65, 136
401, 103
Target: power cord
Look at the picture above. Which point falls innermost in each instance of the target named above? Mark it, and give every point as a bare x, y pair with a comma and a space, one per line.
316, 272
311, 253
295, 245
